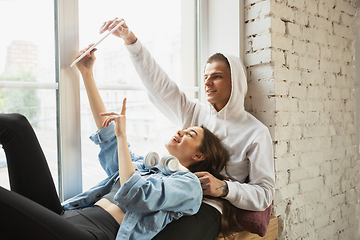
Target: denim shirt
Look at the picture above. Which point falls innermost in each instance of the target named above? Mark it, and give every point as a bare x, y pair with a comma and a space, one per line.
149, 199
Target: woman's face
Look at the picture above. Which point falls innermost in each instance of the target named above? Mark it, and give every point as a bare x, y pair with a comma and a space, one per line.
185, 144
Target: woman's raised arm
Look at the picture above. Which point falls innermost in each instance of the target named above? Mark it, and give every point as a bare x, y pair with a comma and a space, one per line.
126, 168
85, 67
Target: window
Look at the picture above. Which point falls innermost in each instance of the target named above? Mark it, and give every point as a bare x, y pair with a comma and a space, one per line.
27, 72
167, 29
220, 29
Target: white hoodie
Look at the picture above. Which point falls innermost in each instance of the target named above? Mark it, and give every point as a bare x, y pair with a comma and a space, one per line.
248, 140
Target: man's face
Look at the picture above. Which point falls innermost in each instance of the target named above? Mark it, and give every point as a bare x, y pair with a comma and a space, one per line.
217, 80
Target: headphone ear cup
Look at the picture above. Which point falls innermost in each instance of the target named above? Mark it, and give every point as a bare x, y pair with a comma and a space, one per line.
151, 160
169, 164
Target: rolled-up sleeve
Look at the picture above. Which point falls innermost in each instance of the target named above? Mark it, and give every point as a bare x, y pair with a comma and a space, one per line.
179, 192
108, 156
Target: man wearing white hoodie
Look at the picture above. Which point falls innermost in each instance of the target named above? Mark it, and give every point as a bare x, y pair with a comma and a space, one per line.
247, 139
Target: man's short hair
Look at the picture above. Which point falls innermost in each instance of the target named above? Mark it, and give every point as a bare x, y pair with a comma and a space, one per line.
218, 57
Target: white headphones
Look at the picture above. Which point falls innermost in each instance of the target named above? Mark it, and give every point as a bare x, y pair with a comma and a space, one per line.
168, 164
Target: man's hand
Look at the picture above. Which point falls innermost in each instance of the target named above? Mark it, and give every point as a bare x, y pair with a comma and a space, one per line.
122, 32
211, 185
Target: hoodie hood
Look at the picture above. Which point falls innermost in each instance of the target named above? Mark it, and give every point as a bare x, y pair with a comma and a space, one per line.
235, 105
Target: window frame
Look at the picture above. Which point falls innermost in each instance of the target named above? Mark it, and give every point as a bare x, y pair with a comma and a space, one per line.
216, 19
68, 99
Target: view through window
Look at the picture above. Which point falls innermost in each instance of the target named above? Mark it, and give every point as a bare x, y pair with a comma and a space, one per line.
164, 29
27, 72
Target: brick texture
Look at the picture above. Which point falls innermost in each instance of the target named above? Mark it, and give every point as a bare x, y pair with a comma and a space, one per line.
300, 63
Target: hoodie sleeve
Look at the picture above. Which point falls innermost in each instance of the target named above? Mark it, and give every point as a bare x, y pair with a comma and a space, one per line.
162, 92
258, 194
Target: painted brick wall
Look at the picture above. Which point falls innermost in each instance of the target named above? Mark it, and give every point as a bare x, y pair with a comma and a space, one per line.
300, 61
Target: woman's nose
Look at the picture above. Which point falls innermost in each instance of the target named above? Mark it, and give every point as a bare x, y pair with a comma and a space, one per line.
180, 133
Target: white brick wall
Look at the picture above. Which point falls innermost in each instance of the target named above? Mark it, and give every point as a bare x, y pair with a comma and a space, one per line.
300, 60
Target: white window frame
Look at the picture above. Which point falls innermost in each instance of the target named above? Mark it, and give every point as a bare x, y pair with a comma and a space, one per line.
68, 98
218, 20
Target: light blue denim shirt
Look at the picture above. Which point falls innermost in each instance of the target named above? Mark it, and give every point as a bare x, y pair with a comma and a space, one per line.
149, 201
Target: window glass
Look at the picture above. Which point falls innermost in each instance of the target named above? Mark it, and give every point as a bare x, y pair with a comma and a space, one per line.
166, 29
27, 72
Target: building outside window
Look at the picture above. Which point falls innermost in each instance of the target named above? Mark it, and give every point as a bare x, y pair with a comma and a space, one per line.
27, 72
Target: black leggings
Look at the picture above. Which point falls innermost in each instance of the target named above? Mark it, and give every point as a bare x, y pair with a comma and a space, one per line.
32, 209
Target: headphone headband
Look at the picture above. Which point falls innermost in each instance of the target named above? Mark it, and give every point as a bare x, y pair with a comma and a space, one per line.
168, 164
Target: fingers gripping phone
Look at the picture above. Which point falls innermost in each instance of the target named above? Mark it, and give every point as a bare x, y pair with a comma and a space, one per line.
92, 47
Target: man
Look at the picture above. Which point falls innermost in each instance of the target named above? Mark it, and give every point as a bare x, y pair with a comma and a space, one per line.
248, 140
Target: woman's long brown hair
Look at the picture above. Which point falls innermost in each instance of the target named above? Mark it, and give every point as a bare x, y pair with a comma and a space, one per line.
216, 159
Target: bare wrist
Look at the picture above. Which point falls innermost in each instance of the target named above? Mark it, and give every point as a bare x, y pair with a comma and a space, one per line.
86, 72
121, 137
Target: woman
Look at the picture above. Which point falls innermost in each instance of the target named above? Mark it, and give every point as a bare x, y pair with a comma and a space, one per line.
146, 201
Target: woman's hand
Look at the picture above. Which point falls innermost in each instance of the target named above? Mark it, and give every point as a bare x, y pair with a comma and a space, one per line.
122, 32
87, 63
126, 168
119, 120
212, 186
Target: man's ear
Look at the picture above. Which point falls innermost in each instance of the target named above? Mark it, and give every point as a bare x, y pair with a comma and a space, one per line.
199, 157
